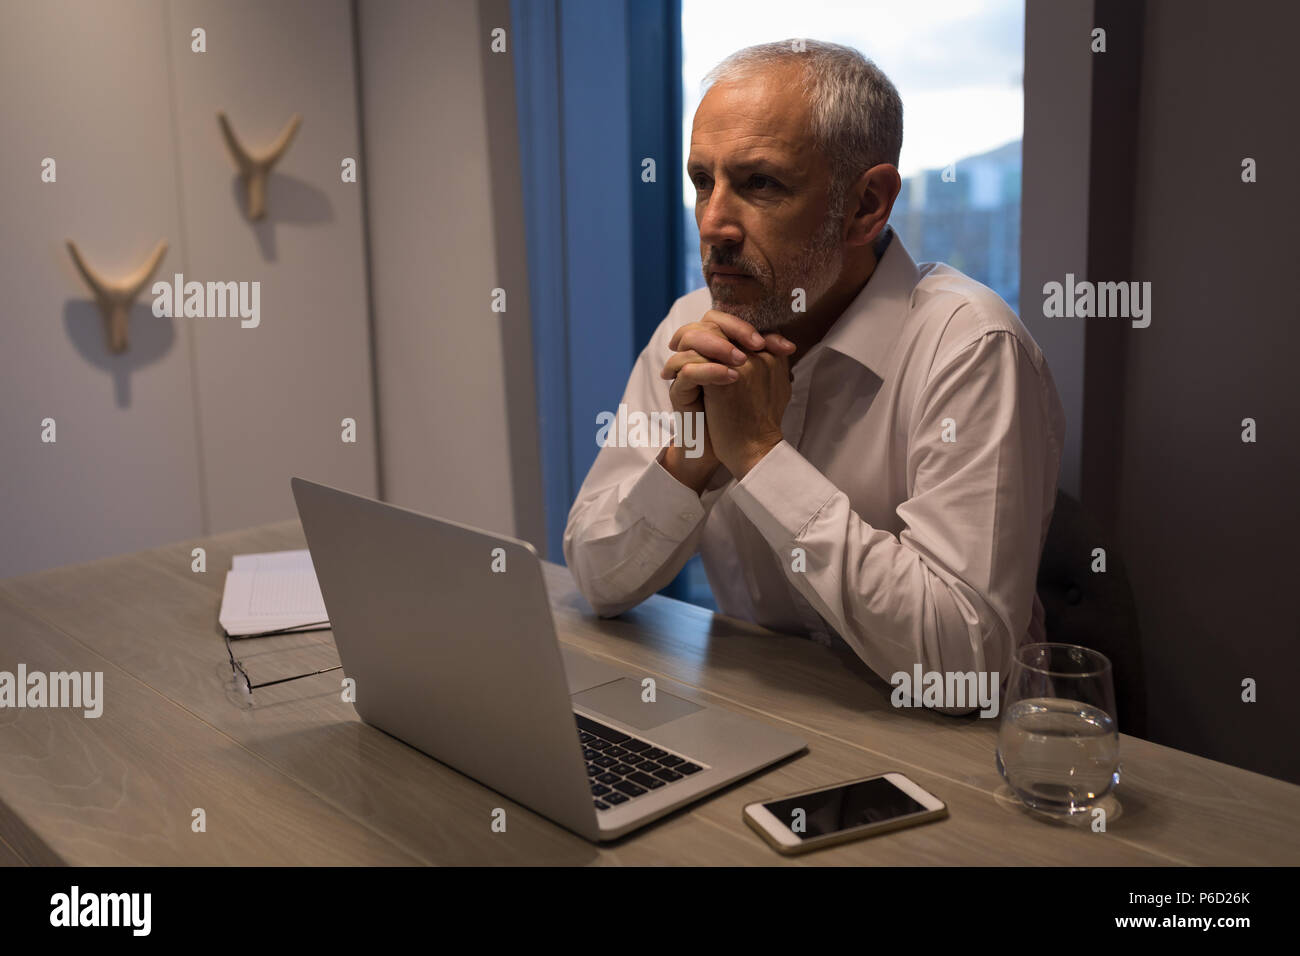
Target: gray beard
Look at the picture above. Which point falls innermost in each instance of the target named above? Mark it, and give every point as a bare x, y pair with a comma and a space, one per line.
815, 271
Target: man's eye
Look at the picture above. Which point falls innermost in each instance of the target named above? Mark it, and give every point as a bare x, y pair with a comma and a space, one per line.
761, 182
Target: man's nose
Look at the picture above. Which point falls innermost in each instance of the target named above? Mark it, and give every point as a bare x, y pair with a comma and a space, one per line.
719, 225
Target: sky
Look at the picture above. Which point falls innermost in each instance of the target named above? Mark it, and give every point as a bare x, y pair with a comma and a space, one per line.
958, 64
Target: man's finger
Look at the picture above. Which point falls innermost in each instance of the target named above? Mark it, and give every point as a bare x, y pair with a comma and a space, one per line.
682, 393
711, 344
677, 360
778, 344
736, 329
772, 359
706, 373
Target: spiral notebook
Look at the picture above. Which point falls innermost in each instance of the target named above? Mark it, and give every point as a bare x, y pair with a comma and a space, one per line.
272, 593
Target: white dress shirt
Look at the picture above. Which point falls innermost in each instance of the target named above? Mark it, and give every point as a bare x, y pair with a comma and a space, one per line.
917, 549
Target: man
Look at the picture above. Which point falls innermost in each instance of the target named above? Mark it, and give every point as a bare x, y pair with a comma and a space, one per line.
882, 441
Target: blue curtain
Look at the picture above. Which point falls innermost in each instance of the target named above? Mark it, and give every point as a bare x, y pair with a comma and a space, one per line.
598, 92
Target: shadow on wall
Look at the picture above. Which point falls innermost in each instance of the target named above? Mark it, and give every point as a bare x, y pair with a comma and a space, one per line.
149, 339
290, 201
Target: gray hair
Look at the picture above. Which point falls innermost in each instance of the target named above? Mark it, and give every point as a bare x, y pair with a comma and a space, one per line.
856, 113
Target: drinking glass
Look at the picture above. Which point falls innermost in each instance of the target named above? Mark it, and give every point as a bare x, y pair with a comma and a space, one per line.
1058, 744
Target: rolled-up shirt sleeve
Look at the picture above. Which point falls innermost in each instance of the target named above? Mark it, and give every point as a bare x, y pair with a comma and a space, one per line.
633, 526
954, 589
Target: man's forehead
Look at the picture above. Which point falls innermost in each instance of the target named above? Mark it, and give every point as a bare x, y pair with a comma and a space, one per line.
765, 110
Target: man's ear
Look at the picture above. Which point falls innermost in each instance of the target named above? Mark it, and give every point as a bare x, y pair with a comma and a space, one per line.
870, 201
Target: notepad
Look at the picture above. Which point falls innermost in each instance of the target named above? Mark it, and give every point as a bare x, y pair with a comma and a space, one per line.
271, 592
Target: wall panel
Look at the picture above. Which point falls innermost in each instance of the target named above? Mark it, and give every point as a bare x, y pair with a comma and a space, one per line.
271, 398
86, 84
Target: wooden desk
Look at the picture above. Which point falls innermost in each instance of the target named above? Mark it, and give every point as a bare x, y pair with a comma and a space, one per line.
296, 778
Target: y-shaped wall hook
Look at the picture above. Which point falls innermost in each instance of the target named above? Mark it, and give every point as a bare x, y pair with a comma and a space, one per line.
115, 298
255, 167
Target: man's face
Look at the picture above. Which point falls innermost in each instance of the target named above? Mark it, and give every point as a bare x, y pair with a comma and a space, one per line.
762, 199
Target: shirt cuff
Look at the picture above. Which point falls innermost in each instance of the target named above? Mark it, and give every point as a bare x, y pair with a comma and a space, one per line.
782, 494
664, 503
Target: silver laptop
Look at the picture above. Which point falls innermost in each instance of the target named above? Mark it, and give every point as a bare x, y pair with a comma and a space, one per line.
459, 659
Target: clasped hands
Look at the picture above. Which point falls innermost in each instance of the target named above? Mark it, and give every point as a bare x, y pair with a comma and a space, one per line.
740, 380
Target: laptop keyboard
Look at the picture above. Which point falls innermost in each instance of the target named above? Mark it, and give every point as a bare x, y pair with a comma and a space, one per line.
621, 767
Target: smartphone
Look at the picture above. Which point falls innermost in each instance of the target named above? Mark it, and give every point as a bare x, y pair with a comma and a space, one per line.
847, 811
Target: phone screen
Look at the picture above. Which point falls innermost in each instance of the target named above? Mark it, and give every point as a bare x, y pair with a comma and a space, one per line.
842, 808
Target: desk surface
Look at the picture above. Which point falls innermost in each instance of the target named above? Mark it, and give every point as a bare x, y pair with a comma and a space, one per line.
296, 778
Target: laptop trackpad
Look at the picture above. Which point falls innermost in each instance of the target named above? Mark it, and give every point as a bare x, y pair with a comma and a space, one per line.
621, 699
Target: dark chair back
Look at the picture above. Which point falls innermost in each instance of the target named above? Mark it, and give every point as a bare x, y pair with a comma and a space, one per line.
1093, 609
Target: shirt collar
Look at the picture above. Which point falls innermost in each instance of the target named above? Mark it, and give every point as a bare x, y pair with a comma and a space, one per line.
868, 329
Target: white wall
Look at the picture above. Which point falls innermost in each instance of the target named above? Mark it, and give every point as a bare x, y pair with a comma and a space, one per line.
271, 399
198, 426
456, 398
87, 85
